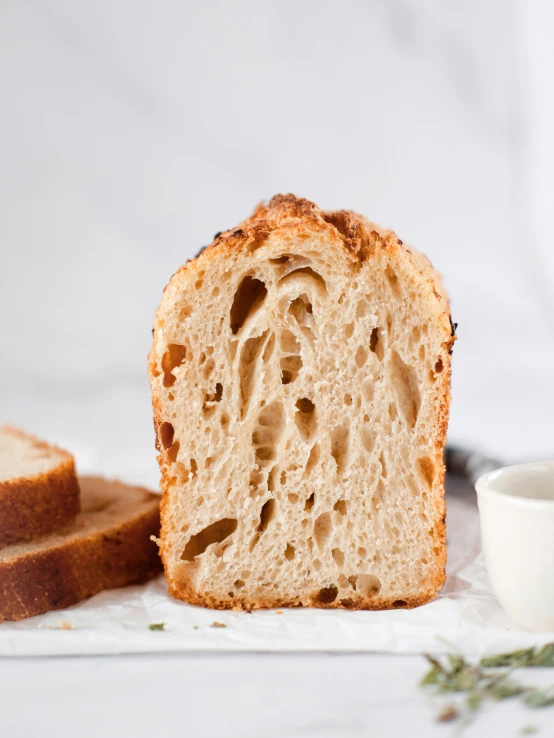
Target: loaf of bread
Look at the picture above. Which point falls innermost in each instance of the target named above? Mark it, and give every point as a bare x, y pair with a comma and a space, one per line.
109, 545
39, 491
300, 374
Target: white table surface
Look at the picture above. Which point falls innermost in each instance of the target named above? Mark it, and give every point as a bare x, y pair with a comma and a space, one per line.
247, 696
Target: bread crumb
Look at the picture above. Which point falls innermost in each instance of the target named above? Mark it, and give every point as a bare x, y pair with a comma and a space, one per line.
215, 624
64, 625
278, 612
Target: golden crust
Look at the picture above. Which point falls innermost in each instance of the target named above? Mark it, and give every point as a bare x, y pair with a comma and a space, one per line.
36, 505
63, 574
360, 239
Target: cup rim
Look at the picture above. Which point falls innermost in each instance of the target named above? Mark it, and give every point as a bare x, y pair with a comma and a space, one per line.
484, 489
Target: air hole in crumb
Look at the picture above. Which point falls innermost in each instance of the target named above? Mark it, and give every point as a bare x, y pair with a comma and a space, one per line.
399, 603
288, 342
362, 309
283, 478
172, 358
361, 356
416, 333
238, 584
290, 368
422, 352
248, 297
308, 271
406, 389
327, 595
322, 529
317, 564
347, 399
393, 281
339, 447
347, 603
439, 366
383, 466
266, 514
224, 419
215, 533
193, 466
265, 453
293, 498
304, 417
290, 552
424, 561
338, 556
393, 413
349, 330
427, 470
340, 507
166, 435
369, 585
279, 259
247, 368
362, 553
353, 579
300, 308
376, 343
313, 458
309, 502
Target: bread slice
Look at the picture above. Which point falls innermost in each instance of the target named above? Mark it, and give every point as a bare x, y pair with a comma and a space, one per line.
107, 546
39, 491
300, 373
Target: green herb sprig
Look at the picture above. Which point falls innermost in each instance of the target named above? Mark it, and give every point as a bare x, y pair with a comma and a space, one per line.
491, 679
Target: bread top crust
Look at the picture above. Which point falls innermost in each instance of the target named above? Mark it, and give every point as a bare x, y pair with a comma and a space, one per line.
297, 216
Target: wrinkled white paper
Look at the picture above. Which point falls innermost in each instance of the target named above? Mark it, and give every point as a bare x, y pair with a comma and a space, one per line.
466, 616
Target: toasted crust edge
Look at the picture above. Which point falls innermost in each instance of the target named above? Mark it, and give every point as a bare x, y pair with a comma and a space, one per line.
56, 578
360, 238
39, 504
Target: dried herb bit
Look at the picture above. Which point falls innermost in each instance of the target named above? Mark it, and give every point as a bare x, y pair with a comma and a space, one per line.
448, 714
215, 624
539, 698
156, 626
529, 730
524, 658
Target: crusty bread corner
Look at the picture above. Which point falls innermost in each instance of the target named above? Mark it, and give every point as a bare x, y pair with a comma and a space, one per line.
108, 546
33, 505
292, 219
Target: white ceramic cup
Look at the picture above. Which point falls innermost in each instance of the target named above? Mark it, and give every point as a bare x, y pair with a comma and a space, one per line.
516, 507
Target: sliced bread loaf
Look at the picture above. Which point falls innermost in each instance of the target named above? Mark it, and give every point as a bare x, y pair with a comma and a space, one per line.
107, 546
39, 491
300, 374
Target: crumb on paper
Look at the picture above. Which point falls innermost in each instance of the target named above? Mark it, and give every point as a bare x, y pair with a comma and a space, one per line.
278, 612
195, 627
529, 730
447, 714
156, 626
216, 624
63, 625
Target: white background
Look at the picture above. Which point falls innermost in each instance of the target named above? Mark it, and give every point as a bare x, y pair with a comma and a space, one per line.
130, 132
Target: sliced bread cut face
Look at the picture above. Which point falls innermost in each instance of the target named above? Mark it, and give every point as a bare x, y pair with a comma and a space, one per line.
300, 373
109, 545
39, 491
